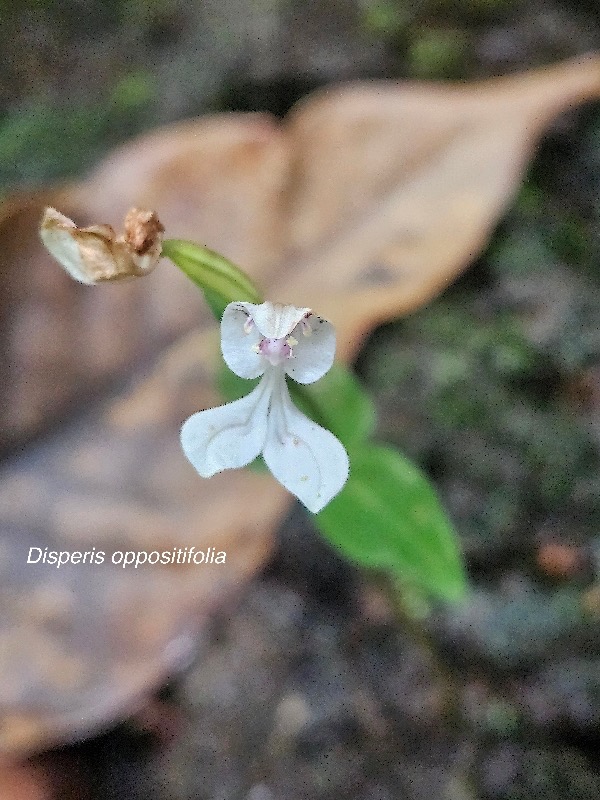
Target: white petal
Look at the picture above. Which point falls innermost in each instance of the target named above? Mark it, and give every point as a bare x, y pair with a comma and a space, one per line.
307, 459
273, 320
229, 436
238, 343
313, 354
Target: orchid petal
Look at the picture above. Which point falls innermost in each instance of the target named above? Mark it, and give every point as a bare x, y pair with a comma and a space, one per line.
307, 459
230, 436
313, 354
239, 344
273, 320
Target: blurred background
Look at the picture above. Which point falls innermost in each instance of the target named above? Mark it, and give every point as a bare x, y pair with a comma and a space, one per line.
494, 389
82, 76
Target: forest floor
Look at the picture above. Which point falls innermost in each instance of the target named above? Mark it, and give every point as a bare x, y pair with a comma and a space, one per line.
309, 687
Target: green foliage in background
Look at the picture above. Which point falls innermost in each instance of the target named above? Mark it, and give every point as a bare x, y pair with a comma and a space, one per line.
482, 387
42, 141
387, 516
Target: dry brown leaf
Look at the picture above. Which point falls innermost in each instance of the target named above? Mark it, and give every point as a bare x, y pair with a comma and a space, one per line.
78, 644
24, 782
399, 186
365, 203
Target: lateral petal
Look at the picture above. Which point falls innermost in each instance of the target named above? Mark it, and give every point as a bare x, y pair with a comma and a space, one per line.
230, 436
238, 343
314, 353
307, 459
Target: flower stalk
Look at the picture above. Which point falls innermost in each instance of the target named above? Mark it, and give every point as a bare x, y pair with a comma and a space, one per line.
220, 280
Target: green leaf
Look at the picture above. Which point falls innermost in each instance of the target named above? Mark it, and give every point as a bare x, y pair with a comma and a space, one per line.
388, 517
231, 386
220, 280
339, 403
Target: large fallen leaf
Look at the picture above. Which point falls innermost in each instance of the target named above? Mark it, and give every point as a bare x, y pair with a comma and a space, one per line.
365, 203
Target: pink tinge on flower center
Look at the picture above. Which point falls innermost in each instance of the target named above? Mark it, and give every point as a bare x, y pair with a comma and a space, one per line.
275, 350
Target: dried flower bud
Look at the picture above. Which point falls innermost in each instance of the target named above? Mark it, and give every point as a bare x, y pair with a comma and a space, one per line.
96, 253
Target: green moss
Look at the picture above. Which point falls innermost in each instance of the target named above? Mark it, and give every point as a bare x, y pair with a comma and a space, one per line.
554, 773
439, 53
41, 142
385, 18
476, 392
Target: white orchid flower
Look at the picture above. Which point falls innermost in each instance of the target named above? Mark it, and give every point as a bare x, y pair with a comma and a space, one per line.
272, 341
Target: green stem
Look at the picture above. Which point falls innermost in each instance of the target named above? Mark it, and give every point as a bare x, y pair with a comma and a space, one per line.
220, 280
